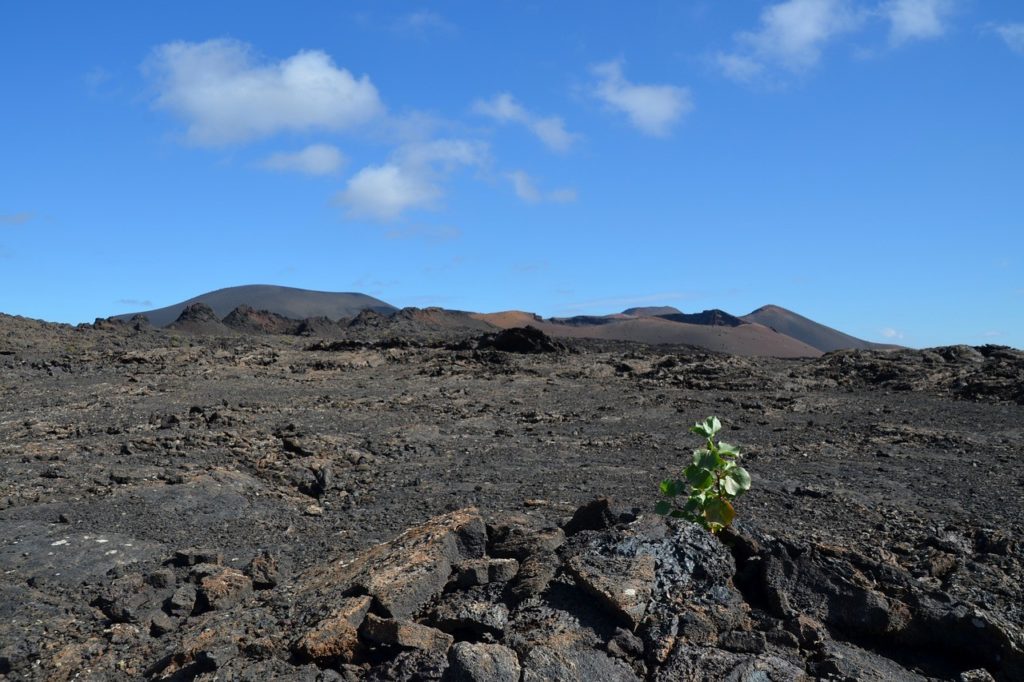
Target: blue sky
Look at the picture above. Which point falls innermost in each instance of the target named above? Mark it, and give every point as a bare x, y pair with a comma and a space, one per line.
859, 162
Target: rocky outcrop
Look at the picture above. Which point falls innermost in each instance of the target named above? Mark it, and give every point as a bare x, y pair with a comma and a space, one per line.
638, 598
520, 340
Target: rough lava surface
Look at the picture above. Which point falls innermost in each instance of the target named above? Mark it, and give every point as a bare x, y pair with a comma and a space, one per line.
246, 505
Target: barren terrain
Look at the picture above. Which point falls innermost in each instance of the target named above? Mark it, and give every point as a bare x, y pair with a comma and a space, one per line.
179, 507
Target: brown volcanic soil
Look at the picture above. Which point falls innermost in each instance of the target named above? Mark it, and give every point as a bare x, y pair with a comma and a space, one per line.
746, 339
150, 480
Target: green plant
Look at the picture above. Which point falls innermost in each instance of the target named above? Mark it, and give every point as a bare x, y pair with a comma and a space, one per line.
714, 480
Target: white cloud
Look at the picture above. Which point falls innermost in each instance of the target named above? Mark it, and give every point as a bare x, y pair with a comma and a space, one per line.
225, 96
316, 159
792, 34
916, 19
527, 190
411, 180
16, 218
652, 109
385, 192
449, 153
891, 333
738, 67
1012, 35
505, 109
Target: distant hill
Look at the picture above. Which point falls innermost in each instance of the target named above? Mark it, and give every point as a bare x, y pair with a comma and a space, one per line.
743, 339
266, 309
713, 317
295, 304
810, 332
652, 311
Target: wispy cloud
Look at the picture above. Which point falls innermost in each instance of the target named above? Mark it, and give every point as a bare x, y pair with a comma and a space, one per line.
412, 179
991, 334
890, 333
423, 22
134, 301
549, 129
652, 109
225, 95
791, 35
316, 159
17, 218
527, 190
916, 19
737, 67
1012, 35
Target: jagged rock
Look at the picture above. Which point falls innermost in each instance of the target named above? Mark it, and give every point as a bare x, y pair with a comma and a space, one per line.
403, 574
405, 634
624, 644
224, 589
264, 570
520, 340
126, 599
707, 664
483, 571
837, 660
471, 662
160, 623
741, 642
543, 663
465, 614
513, 540
502, 570
183, 601
336, 637
594, 515
162, 578
411, 665
535, 574
622, 584
197, 555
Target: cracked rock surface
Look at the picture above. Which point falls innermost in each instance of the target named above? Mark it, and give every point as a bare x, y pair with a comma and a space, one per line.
187, 506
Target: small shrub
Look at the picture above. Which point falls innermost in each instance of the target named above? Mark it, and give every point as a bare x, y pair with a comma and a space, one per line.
714, 480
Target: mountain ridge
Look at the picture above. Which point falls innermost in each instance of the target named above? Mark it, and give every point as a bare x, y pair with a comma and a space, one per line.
767, 331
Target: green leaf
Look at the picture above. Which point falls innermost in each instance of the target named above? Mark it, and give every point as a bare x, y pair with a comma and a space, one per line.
680, 514
699, 477
663, 507
712, 425
742, 478
719, 511
730, 486
666, 487
708, 460
700, 430
726, 449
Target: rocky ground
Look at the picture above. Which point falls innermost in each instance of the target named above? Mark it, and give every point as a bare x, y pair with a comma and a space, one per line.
260, 506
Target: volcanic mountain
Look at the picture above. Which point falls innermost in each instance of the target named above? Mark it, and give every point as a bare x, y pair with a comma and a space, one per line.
713, 330
769, 331
296, 304
810, 332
